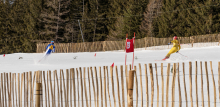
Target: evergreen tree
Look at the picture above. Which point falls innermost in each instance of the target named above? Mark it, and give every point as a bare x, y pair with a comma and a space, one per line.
54, 18
187, 18
77, 10
216, 16
151, 12
133, 11
93, 21
115, 20
128, 16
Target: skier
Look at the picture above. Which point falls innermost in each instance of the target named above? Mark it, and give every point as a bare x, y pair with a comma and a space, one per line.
50, 48
176, 47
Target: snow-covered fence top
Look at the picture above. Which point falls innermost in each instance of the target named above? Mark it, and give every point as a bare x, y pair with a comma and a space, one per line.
147, 43
177, 84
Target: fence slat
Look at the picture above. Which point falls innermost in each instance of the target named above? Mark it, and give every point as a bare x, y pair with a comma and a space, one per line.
167, 84
64, 88
58, 91
97, 86
207, 77
74, 86
126, 76
67, 87
2, 90
48, 89
185, 84
180, 98
89, 87
10, 99
136, 85
117, 80
22, 82
100, 76
122, 85
197, 103
106, 67
141, 85
219, 78
93, 85
202, 84
146, 79
45, 89
81, 80
51, 88
16, 100
8, 90
32, 95
130, 88
157, 85
213, 84
190, 82
152, 83
173, 84
78, 87
113, 90
12, 90
54, 87
162, 79
27, 91
105, 96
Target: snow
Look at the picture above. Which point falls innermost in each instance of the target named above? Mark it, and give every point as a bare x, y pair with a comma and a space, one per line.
200, 52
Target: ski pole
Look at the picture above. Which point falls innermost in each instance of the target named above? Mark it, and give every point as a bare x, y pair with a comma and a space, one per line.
182, 54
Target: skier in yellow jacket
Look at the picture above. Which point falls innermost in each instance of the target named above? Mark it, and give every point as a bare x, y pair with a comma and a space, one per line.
176, 47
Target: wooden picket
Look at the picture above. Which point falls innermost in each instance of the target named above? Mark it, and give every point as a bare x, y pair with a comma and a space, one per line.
120, 45
88, 87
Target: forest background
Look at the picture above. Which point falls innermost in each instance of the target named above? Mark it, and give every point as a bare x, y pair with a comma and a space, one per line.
23, 23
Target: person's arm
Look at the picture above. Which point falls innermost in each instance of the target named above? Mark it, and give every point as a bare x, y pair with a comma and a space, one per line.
170, 42
47, 46
179, 47
53, 49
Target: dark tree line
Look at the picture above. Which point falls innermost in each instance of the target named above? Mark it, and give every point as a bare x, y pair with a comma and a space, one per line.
23, 23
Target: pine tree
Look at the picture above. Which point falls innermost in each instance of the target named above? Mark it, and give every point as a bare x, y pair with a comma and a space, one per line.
53, 19
133, 11
151, 12
115, 20
166, 25
77, 10
187, 18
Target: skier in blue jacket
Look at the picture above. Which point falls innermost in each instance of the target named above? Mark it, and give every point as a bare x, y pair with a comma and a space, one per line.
50, 48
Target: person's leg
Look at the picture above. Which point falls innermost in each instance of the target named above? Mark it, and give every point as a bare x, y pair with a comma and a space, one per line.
172, 50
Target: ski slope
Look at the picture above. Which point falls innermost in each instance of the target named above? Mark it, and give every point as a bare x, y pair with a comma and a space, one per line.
29, 61
24, 62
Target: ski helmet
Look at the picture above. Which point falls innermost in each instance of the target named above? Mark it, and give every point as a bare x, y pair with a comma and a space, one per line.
52, 42
175, 37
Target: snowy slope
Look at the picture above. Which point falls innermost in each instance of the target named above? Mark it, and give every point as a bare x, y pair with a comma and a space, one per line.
56, 61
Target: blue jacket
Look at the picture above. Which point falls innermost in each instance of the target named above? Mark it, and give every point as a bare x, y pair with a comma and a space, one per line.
50, 48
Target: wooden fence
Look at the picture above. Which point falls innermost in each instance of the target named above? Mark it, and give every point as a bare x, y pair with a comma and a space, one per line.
179, 84
120, 45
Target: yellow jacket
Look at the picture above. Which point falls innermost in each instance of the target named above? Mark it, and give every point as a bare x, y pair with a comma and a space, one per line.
176, 44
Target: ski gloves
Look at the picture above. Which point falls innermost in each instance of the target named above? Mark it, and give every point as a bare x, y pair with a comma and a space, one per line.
169, 43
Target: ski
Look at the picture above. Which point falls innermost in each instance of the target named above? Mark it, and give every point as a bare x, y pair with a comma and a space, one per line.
161, 60
45, 54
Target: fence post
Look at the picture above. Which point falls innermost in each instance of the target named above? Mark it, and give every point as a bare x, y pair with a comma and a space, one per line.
38, 94
130, 88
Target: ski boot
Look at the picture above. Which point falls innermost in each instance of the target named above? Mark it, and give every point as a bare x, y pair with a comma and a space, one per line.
165, 58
